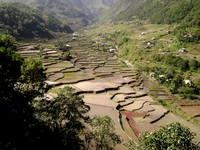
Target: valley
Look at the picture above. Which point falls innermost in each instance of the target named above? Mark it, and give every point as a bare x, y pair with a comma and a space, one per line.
100, 74
110, 87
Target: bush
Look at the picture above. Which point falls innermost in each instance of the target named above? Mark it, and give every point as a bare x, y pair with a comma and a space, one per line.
8, 41
194, 64
173, 136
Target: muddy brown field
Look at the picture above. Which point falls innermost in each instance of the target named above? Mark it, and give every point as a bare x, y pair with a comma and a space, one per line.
110, 89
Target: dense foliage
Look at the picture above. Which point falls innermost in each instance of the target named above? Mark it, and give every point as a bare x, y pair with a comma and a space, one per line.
178, 62
169, 73
8, 41
170, 137
102, 134
77, 13
31, 120
18, 126
24, 22
22, 83
189, 29
185, 13
66, 114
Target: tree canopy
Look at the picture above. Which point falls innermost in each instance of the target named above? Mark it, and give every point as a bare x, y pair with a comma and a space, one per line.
22, 22
65, 113
31, 120
103, 134
173, 136
8, 41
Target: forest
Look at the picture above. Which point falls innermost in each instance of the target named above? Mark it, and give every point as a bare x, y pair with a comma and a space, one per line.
184, 13
24, 22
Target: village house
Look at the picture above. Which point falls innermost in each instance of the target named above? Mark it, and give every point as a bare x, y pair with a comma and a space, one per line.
182, 50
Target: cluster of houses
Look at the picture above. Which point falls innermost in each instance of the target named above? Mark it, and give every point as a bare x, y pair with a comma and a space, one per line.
149, 44
182, 50
107, 47
153, 75
75, 36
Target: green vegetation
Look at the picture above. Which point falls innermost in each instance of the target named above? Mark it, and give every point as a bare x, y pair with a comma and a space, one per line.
102, 134
77, 13
28, 116
171, 136
23, 22
10, 67
65, 48
189, 29
65, 114
158, 52
8, 41
43, 123
32, 77
183, 13
18, 126
169, 73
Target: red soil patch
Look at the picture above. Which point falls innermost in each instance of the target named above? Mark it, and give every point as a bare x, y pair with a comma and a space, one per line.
130, 115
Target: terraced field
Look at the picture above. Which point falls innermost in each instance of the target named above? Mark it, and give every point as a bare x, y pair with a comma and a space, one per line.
109, 88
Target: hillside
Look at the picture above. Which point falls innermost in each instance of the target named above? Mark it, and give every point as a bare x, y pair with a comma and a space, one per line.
160, 36
117, 10
23, 22
157, 11
184, 13
77, 13
136, 62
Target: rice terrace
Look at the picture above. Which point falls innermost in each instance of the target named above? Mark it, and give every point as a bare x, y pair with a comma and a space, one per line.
100, 74
110, 87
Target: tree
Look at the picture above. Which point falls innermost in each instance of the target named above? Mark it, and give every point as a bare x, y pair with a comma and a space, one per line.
31, 81
66, 114
10, 63
194, 64
177, 82
173, 136
32, 121
18, 125
19, 128
7, 41
103, 133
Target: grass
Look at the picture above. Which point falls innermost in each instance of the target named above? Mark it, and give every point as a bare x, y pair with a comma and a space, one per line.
177, 110
133, 50
70, 74
47, 45
170, 104
52, 70
54, 90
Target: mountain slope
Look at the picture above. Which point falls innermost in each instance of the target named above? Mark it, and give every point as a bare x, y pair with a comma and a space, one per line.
117, 9
24, 22
184, 13
77, 13
159, 11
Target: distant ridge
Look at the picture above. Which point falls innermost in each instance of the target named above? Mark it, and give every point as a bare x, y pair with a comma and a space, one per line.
76, 13
184, 13
24, 22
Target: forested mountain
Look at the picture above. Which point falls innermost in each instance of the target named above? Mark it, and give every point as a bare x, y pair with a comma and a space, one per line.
118, 9
185, 13
78, 13
75, 12
24, 22
157, 11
